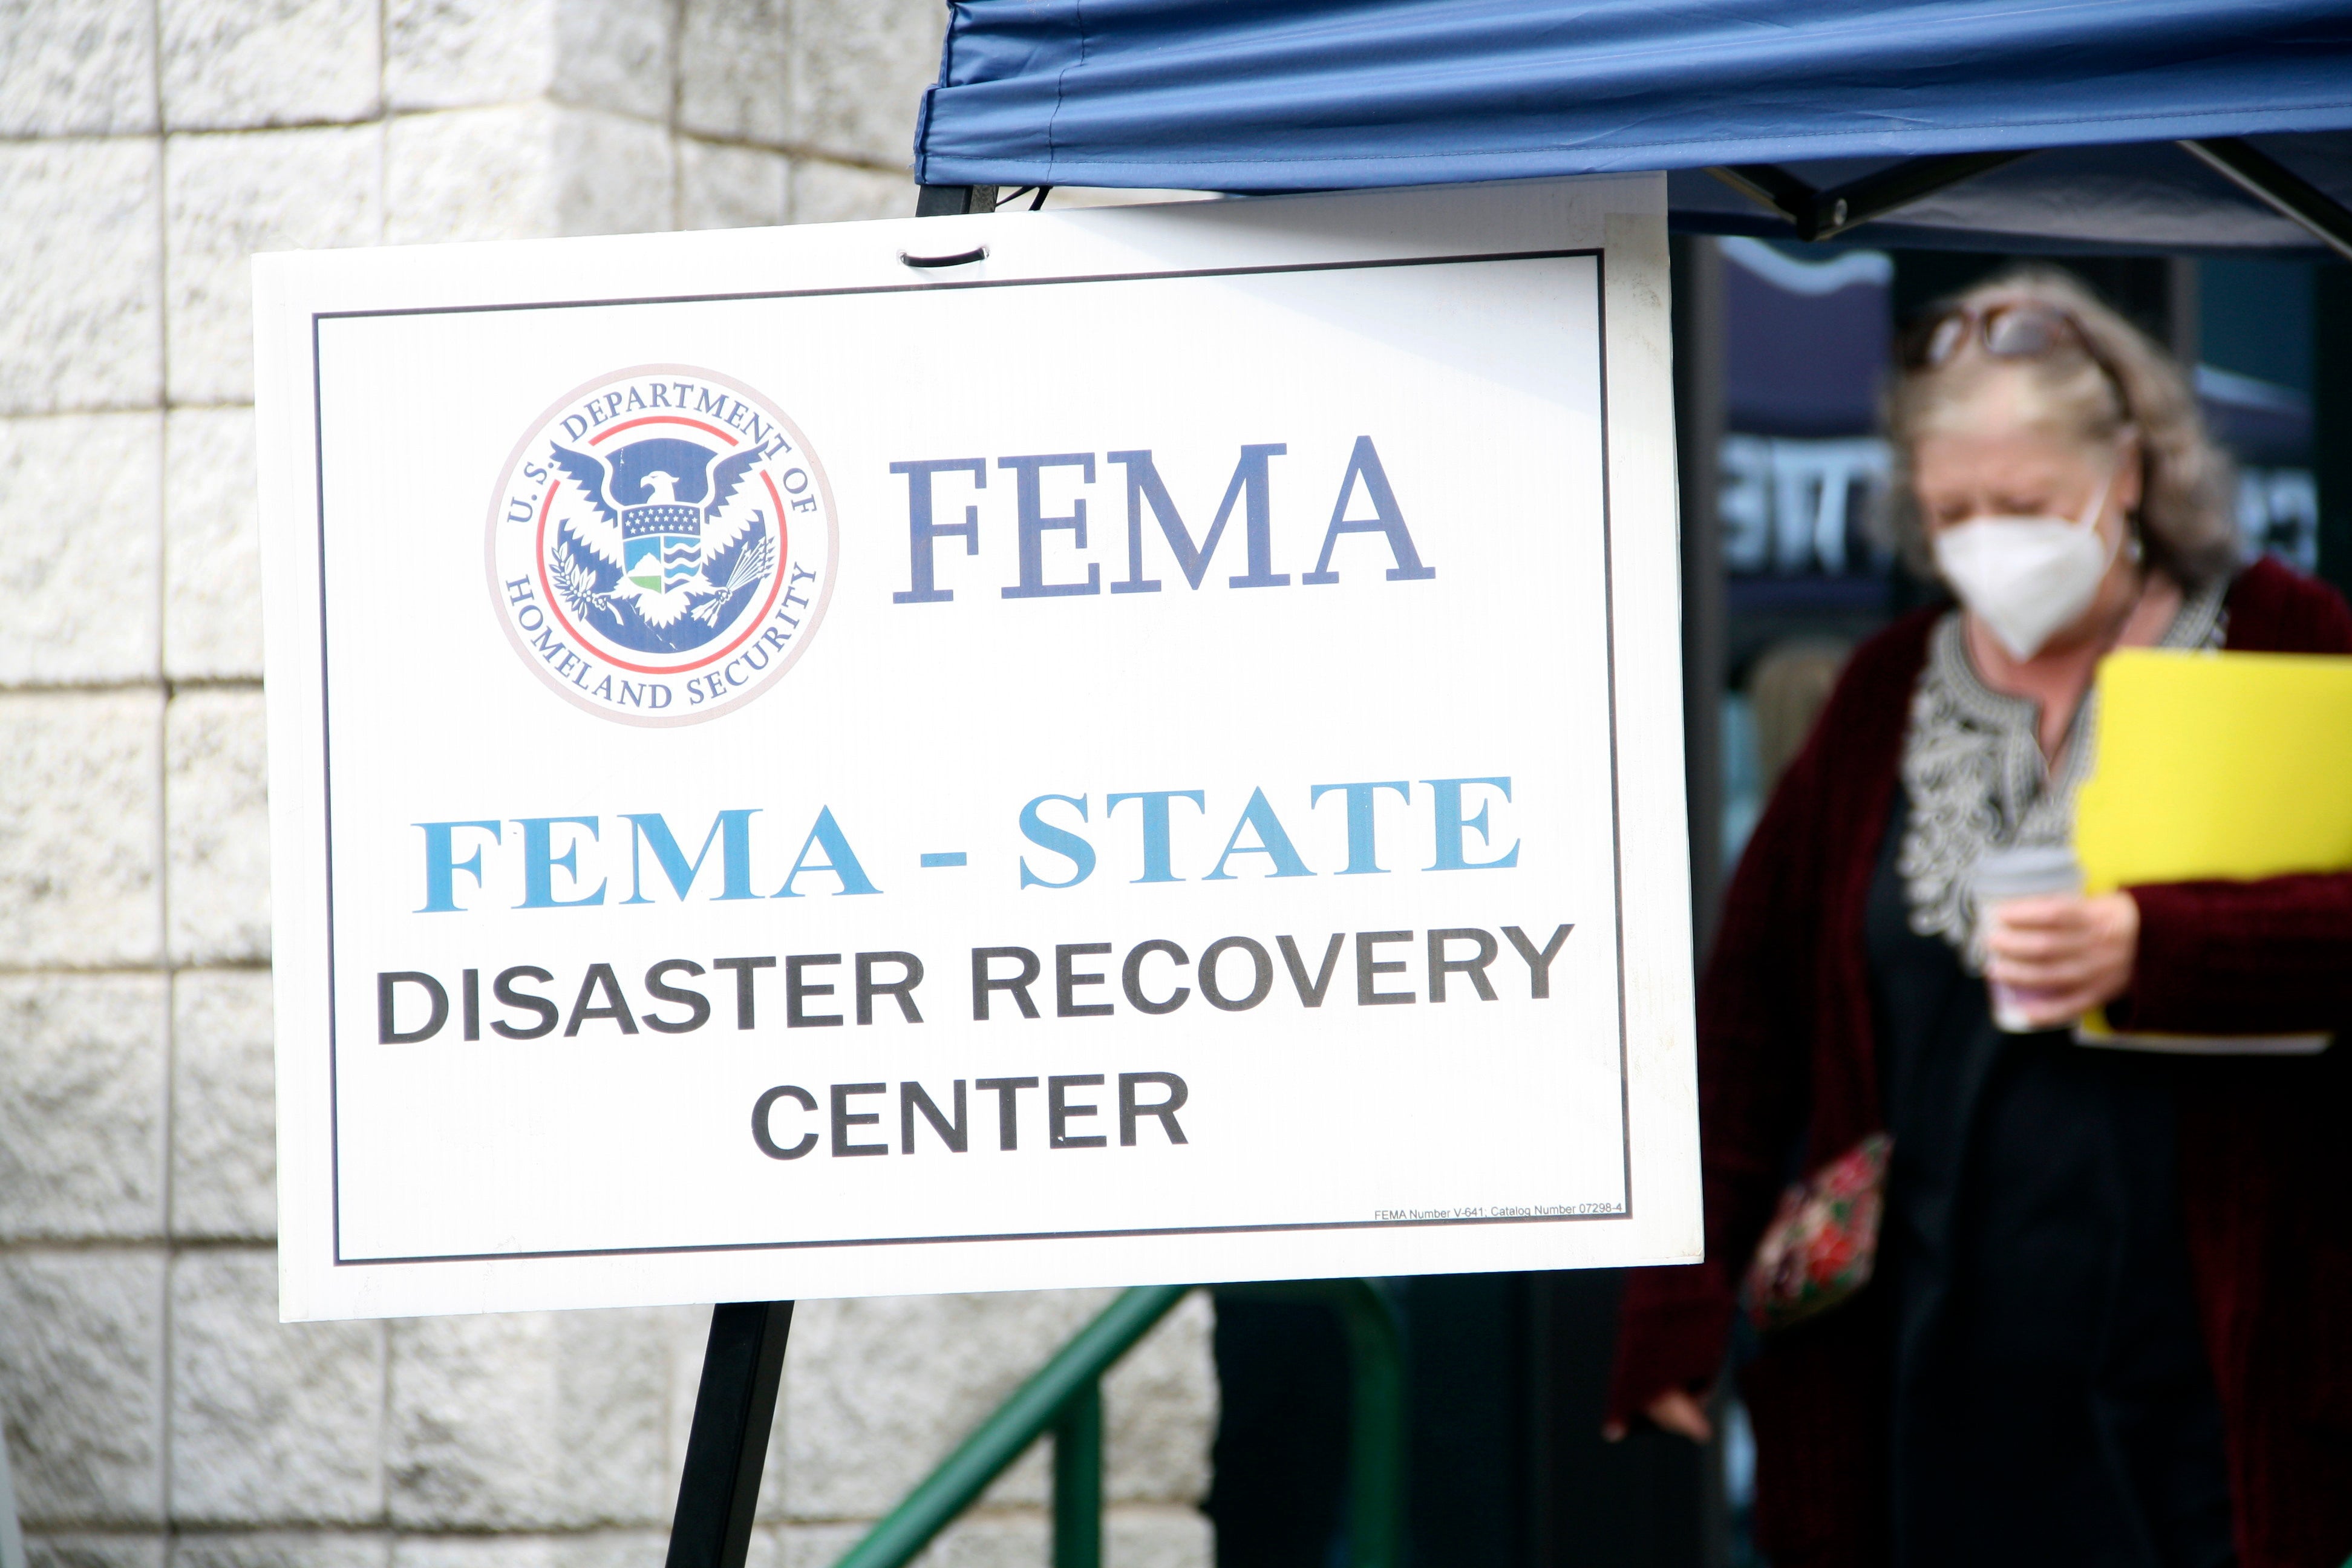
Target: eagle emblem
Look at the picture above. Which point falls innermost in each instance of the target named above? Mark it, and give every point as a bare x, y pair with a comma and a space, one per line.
657, 561
662, 544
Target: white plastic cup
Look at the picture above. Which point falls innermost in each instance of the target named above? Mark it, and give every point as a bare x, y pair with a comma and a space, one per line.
2021, 871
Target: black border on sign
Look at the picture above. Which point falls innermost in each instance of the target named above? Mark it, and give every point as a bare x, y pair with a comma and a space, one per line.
1617, 857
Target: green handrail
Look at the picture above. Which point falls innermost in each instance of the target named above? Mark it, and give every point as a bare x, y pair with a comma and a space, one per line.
1065, 1396
1006, 1435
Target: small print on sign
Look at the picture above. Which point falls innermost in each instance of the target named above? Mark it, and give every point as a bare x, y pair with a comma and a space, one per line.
661, 545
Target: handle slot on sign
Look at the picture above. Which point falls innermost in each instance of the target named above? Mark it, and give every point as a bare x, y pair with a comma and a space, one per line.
959, 258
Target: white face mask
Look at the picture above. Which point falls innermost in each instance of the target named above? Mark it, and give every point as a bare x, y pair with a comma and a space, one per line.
2027, 577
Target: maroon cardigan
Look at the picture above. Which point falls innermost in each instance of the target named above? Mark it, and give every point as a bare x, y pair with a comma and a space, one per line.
1788, 1074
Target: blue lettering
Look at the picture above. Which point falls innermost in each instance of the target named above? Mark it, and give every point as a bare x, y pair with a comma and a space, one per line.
1155, 827
732, 831
1061, 841
1030, 491
838, 859
540, 862
1361, 860
1451, 823
1271, 842
1364, 464
922, 533
1250, 480
441, 866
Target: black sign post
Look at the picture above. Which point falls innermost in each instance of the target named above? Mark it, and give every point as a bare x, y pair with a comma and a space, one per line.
734, 1410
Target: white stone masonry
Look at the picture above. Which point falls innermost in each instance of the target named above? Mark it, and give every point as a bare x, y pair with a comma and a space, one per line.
156, 1413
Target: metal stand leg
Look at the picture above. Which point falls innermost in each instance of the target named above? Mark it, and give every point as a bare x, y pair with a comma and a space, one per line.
733, 1412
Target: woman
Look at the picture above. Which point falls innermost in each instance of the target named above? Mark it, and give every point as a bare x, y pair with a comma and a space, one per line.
2111, 1321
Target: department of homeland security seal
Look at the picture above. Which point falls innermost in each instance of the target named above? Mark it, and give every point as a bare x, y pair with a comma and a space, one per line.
661, 545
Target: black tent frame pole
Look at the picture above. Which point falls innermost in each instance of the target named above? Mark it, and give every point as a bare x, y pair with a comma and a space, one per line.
727, 1449
1698, 380
1825, 214
2275, 185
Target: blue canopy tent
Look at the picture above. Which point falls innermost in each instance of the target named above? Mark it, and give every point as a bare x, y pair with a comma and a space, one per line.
2123, 127
2152, 124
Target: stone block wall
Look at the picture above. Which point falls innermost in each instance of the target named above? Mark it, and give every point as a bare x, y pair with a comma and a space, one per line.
156, 1412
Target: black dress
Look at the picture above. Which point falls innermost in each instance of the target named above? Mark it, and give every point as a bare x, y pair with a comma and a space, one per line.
2052, 1399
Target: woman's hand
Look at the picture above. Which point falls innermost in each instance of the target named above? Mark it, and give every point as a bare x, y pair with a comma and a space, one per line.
1676, 1412
2070, 954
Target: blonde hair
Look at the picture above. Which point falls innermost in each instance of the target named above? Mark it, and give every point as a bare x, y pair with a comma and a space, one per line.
2126, 384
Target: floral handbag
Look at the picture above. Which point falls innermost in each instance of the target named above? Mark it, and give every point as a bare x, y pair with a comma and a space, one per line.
1822, 1243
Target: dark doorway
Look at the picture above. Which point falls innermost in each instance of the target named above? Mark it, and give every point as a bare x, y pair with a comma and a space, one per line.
1507, 1374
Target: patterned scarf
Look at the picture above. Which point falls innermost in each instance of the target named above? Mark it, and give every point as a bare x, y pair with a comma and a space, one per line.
1973, 770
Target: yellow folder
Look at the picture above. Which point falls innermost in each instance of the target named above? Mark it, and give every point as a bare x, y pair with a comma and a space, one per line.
2233, 765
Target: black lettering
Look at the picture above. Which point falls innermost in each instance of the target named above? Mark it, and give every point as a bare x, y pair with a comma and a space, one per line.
1310, 996
764, 1138
1131, 1111
600, 977
1131, 977
697, 1006
797, 990
503, 988
1366, 941
1008, 1132
982, 983
1539, 963
1440, 966
1059, 1113
844, 1119
955, 1134
1066, 983
1261, 974
470, 987
903, 988
744, 969
385, 1034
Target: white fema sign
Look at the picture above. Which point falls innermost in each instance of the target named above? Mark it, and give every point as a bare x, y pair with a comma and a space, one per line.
1151, 755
